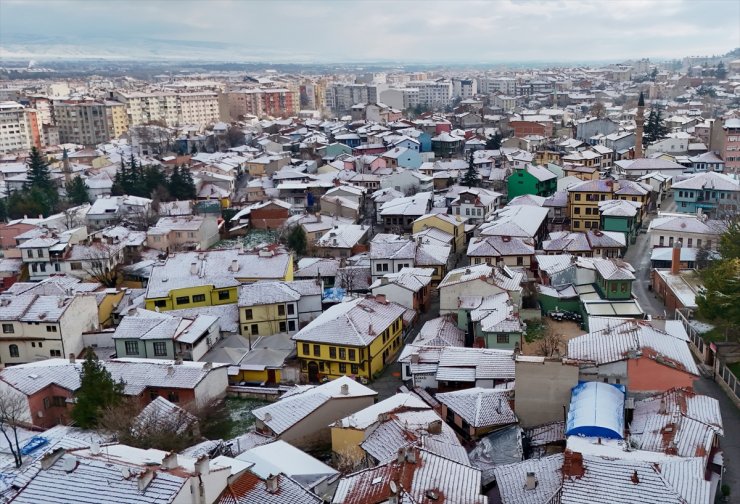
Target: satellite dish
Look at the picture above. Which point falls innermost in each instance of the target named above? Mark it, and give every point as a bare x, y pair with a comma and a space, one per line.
69, 464
394, 487
125, 472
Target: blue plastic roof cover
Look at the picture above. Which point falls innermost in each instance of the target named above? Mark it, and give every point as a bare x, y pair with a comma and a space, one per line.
596, 410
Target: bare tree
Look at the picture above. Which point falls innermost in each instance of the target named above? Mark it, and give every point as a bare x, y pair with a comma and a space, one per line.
598, 110
13, 409
349, 460
549, 343
101, 262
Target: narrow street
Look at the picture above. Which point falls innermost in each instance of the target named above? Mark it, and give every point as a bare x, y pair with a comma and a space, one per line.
639, 256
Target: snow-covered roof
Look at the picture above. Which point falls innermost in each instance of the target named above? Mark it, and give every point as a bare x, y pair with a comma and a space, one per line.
396, 403
480, 407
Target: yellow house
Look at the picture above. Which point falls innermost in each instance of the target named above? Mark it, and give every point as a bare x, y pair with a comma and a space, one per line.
267, 308
107, 304
450, 224
196, 279
355, 338
583, 200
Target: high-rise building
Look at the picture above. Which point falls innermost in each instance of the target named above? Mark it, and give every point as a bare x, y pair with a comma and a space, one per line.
170, 108
261, 102
19, 127
90, 122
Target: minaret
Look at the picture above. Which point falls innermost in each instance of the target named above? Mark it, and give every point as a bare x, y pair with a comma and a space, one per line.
65, 167
640, 123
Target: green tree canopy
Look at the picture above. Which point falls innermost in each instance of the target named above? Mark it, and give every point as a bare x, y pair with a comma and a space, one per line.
494, 142
470, 179
297, 240
655, 128
77, 191
98, 391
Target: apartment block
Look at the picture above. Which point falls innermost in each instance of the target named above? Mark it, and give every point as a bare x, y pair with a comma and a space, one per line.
89, 122
19, 128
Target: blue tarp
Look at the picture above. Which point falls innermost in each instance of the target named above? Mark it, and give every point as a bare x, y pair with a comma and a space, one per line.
333, 295
596, 410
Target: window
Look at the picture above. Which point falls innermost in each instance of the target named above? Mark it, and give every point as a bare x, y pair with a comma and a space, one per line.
132, 348
199, 298
502, 338
160, 303
577, 210
281, 310
13, 349
578, 197
613, 287
291, 309
39, 253
351, 354
698, 242
248, 314
291, 325
343, 353
306, 349
690, 242
29, 253
520, 261
182, 300
317, 350
342, 368
51, 328
354, 369
160, 348
283, 327
47, 402
8, 329
332, 352
255, 329
623, 286
173, 397
54, 353
223, 295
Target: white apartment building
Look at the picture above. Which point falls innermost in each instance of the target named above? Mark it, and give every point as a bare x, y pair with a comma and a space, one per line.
464, 88
172, 108
434, 94
400, 98
18, 127
504, 85
341, 96
89, 122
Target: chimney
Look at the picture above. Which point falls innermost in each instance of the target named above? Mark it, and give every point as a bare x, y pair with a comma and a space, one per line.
272, 485
401, 455
573, 464
676, 258
178, 360
344, 389
531, 481
193, 268
144, 479
202, 465
380, 298
410, 455
170, 461
435, 427
635, 478
234, 265
71, 358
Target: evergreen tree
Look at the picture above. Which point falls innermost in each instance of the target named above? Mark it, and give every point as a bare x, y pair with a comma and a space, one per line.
153, 181
134, 183
470, 179
119, 179
297, 240
188, 184
39, 185
721, 71
77, 191
97, 391
494, 142
655, 128
175, 183
3, 210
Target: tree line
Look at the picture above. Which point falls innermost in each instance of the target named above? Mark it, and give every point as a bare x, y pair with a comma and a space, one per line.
134, 179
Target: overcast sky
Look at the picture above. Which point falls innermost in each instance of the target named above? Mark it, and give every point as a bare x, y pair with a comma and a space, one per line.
389, 30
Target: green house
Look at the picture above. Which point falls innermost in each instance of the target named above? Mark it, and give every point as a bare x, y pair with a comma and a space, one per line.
613, 279
531, 179
493, 322
622, 216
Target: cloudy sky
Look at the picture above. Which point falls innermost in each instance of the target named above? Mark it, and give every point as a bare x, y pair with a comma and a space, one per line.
381, 30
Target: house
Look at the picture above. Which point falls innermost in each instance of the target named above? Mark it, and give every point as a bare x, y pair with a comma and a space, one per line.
691, 231
36, 326
478, 280
151, 335
584, 198
621, 216
432, 337
521, 221
714, 194
304, 414
544, 391
407, 181
109, 210
491, 321
635, 354
152, 476
455, 481
706, 162
269, 214
677, 287
474, 205
267, 308
190, 232
323, 269
190, 279
400, 213
635, 168
531, 179
614, 279
403, 157
48, 396
593, 243
453, 225
315, 226
342, 241
391, 253
247, 487
278, 457
357, 337
454, 368
476, 411
340, 206
410, 287
498, 250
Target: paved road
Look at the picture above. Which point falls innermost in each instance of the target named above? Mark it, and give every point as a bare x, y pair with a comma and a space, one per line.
639, 256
